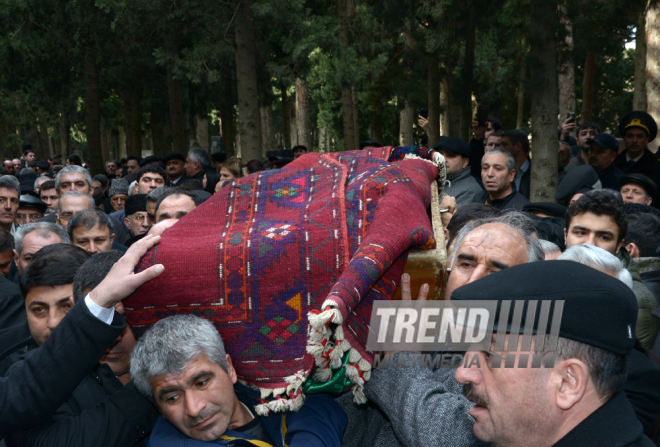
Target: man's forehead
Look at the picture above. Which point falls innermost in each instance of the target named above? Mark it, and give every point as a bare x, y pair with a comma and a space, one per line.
495, 236
6, 192
73, 177
36, 239
593, 221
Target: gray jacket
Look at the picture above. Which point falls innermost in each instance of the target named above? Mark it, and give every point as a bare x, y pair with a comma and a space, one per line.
410, 407
463, 187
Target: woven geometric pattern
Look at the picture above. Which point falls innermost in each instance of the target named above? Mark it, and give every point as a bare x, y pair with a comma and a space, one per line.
262, 253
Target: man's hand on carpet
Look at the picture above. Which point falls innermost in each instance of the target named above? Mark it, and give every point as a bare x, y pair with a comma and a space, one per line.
122, 280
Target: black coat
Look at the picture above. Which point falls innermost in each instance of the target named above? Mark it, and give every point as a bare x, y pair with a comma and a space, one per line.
613, 424
35, 388
12, 306
610, 177
514, 201
100, 412
642, 389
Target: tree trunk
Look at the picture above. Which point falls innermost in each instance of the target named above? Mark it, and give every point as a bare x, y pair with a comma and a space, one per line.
468, 73
3, 134
351, 132
433, 70
249, 120
121, 142
267, 133
454, 110
639, 87
43, 140
177, 120
64, 136
444, 105
653, 65
105, 144
544, 79
356, 121
286, 118
406, 120
202, 131
303, 114
133, 119
589, 86
227, 125
157, 134
521, 85
92, 114
566, 65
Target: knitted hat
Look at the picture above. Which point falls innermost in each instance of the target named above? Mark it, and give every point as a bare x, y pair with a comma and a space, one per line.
118, 186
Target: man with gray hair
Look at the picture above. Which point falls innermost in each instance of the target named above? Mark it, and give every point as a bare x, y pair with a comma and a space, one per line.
497, 174
31, 238
599, 259
181, 363
550, 249
73, 178
197, 163
399, 411
152, 199
10, 192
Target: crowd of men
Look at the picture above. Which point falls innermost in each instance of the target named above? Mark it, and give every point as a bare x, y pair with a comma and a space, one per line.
73, 373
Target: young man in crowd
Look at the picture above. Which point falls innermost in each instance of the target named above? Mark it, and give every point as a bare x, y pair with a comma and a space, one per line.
49, 195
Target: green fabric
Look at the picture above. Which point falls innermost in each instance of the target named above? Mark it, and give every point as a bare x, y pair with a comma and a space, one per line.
336, 385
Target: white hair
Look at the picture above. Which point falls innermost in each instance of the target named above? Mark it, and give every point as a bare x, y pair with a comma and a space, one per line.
549, 247
599, 259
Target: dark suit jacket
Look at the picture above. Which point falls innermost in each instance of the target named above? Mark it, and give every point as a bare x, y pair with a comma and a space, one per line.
34, 388
12, 307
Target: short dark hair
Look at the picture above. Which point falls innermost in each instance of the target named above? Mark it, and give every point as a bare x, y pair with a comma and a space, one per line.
495, 122
89, 219
190, 184
110, 161
133, 157
253, 166
152, 168
102, 179
300, 146
607, 370
600, 202
6, 241
467, 213
644, 231
49, 184
93, 271
636, 208
53, 265
589, 125
178, 192
74, 159
518, 136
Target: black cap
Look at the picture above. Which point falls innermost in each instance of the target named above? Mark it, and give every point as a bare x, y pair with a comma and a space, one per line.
174, 156
649, 185
580, 179
151, 159
605, 140
553, 209
27, 181
373, 143
30, 200
639, 119
599, 310
453, 145
135, 203
43, 165
204, 195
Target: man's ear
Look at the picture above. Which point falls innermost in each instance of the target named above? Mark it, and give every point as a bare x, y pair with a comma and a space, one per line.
649, 200
230, 370
466, 162
632, 248
15, 256
512, 175
112, 238
572, 378
126, 221
565, 234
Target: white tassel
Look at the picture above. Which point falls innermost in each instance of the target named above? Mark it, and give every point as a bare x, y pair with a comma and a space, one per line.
339, 333
323, 375
354, 356
358, 395
265, 392
262, 410
364, 365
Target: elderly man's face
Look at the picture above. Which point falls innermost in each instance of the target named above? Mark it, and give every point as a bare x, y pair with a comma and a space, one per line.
509, 401
492, 142
32, 243
111, 168
137, 223
17, 165
591, 229
26, 215
191, 167
74, 181
635, 193
118, 201
51, 197
486, 249
200, 401
174, 207
454, 163
174, 169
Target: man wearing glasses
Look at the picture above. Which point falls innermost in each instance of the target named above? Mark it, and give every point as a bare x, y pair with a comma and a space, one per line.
137, 220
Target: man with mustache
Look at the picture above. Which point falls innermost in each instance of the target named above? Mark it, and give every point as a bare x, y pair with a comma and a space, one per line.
638, 129
570, 394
